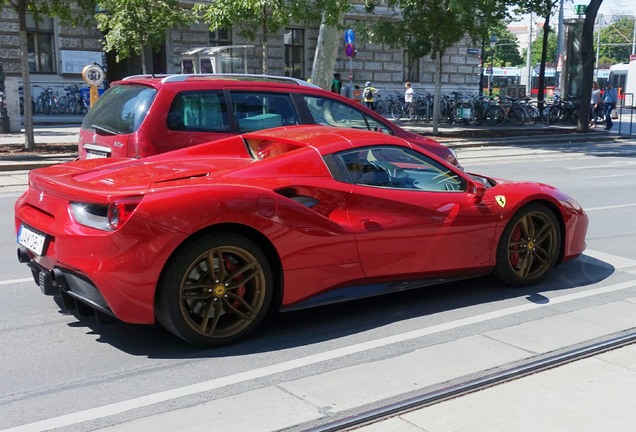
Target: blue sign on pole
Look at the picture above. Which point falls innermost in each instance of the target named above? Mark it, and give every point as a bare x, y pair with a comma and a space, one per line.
349, 36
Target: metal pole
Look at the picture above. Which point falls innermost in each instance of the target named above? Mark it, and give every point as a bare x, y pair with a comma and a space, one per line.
529, 57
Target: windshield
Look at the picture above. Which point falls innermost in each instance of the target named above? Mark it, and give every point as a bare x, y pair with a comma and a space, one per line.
120, 110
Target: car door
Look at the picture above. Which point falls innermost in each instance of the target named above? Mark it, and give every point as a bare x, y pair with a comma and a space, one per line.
414, 216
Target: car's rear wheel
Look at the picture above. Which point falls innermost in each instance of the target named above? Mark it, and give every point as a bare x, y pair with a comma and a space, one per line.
529, 246
215, 290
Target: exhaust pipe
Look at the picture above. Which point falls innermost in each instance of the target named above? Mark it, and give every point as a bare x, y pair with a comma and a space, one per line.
23, 255
57, 278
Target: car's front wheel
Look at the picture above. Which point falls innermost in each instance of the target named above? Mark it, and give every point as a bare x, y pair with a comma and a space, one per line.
529, 246
215, 290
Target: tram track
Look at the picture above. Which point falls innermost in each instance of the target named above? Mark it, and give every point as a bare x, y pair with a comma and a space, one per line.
364, 416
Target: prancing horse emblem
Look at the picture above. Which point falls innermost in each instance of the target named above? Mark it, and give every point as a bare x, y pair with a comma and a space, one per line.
501, 200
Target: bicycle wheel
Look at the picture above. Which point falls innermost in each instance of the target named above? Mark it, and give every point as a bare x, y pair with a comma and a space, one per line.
39, 105
517, 115
396, 111
63, 104
533, 114
495, 115
480, 115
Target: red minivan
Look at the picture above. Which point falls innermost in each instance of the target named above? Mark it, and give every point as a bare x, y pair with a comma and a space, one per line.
144, 115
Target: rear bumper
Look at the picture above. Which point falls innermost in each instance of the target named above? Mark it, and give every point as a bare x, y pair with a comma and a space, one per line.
60, 281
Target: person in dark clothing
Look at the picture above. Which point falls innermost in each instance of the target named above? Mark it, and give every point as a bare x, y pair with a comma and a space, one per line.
336, 84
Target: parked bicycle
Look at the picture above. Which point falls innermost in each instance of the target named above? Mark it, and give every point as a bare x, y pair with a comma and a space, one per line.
47, 102
72, 102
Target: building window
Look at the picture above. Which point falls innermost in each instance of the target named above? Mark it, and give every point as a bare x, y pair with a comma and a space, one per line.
411, 69
295, 53
40, 45
220, 37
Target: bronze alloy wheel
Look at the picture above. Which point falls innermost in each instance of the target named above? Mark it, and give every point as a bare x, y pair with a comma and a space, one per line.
529, 246
222, 291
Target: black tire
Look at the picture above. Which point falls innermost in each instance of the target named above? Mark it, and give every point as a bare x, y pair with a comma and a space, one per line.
494, 115
396, 111
517, 115
212, 310
529, 246
63, 104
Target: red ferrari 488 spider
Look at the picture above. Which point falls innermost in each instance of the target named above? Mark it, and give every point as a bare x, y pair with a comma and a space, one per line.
208, 239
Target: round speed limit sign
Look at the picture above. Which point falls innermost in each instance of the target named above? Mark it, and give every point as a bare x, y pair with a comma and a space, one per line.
93, 74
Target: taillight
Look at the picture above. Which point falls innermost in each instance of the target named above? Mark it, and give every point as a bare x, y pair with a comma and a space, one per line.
105, 217
120, 210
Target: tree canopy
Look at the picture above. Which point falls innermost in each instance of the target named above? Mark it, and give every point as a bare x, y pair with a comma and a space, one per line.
132, 25
616, 41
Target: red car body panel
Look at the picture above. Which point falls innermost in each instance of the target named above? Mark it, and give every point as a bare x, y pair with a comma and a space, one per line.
354, 235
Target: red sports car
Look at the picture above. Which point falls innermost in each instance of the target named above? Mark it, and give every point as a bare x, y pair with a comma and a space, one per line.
208, 239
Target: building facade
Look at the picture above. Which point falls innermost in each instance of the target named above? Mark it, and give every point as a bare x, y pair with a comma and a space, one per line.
57, 54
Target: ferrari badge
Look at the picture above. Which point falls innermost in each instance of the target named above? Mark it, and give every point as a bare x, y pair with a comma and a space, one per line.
501, 200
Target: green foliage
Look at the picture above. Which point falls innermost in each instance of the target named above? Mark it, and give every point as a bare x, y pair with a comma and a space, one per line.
252, 16
537, 44
506, 51
131, 25
417, 24
616, 41
78, 12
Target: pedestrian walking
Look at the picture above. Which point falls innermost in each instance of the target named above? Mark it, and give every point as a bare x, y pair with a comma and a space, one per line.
408, 100
368, 95
595, 104
609, 103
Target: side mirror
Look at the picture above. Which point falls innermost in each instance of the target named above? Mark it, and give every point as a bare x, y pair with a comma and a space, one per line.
476, 191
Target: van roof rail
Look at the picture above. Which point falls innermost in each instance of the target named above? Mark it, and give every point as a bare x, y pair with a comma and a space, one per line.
168, 78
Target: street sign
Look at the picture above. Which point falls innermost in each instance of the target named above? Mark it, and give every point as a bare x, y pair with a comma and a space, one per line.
473, 51
350, 50
580, 9
349, 36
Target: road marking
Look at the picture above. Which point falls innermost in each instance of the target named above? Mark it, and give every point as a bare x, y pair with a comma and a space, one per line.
618, 262
15, 281
611, 164
213, 384
614, 175
609, 207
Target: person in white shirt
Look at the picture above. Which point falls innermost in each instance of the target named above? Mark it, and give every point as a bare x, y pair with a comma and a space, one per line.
595, 104
408, 99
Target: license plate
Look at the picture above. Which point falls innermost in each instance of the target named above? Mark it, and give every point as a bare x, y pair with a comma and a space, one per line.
91, 154
32, 240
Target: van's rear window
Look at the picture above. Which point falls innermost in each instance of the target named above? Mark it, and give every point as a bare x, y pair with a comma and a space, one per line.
121, 109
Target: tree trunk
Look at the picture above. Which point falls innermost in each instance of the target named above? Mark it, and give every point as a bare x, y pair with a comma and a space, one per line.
587, 57
144, 67
325, 55
437, 94
26, 79
264, 43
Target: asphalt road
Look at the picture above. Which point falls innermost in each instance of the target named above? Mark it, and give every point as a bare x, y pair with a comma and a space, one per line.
60, 371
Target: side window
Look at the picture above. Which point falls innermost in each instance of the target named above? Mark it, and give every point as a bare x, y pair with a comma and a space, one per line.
198, 111
396, 167
256, 111
330, 112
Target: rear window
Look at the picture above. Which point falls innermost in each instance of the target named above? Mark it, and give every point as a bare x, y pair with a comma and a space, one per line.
121, 109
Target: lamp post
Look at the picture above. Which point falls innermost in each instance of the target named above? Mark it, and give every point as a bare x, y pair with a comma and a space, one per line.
493, 43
